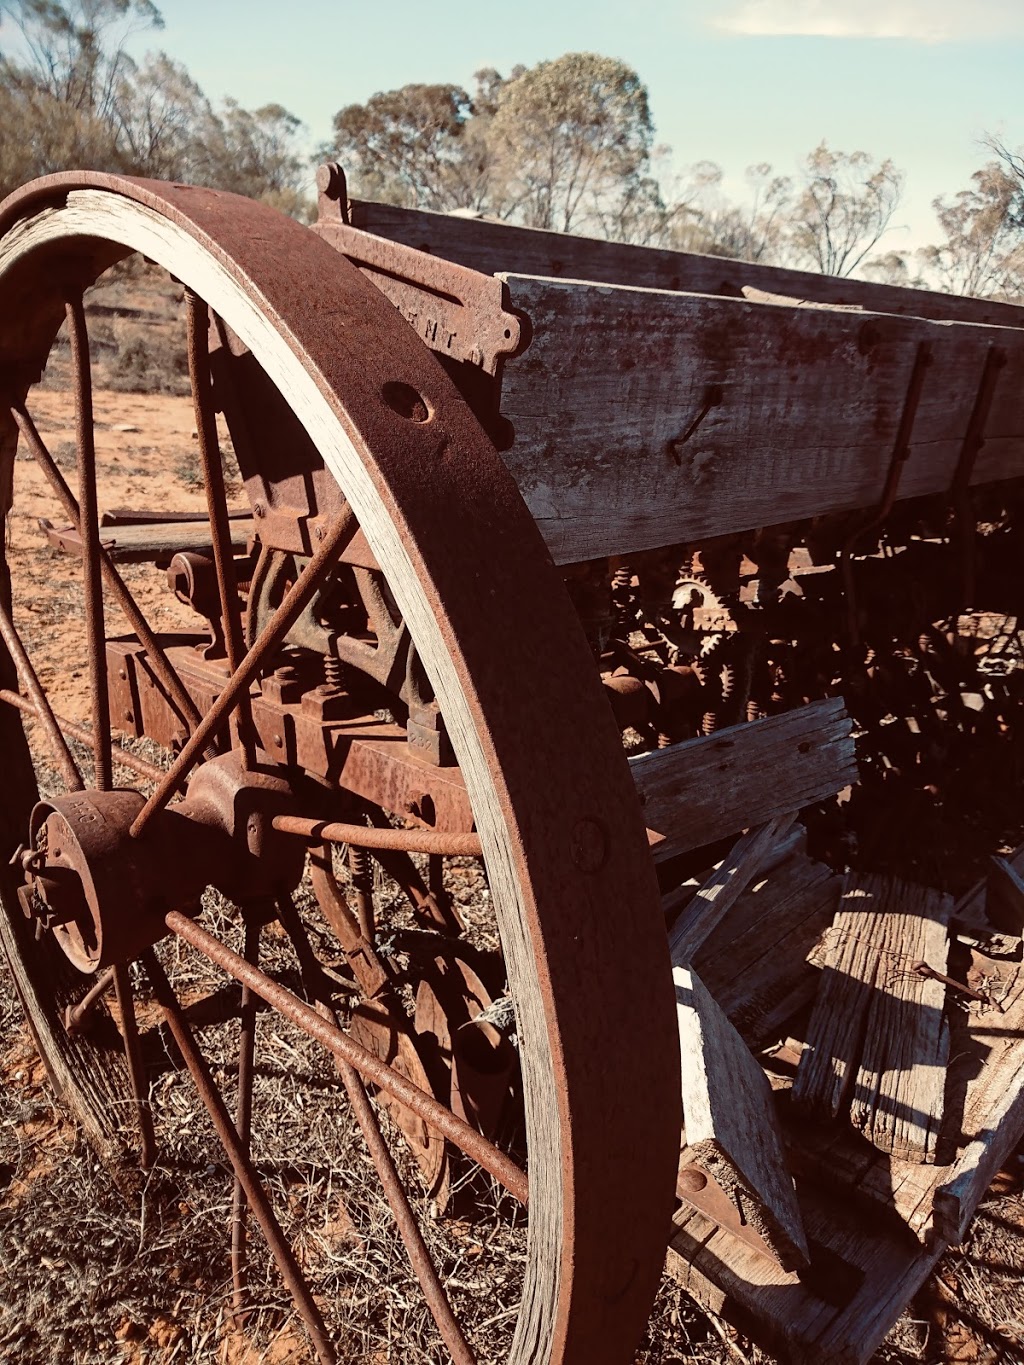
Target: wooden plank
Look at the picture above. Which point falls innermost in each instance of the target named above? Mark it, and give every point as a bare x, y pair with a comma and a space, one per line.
719, 893
730, 1123
495, 247
993, 1121
835, 1034
764, 979
868, 1272
708, 788
900, 1087
646, 419
987, 1072
151, 541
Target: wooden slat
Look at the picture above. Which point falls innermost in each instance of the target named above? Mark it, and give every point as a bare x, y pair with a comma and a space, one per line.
708, 788
899, 1092
495, 247
871, 1272
720, 892
151, 541
756, 962
878, 1034
730, 1123
835, 1034
646, 418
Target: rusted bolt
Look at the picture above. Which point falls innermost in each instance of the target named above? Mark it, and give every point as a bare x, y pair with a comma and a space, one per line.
129, 716
319, 532
259, 510
122, 675
589, 845
278, 742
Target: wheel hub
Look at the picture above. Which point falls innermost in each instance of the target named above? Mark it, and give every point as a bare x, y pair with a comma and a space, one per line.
104, 894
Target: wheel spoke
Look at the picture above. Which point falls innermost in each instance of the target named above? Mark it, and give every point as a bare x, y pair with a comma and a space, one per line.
90, 536
243, 1120
369, 836
139, 765
296, 599
197, 321
405, 1219
40, 704
449, 1125
241, 1162
122, 593
133, 1056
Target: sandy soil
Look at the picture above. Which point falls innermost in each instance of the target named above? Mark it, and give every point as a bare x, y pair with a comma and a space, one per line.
146, 458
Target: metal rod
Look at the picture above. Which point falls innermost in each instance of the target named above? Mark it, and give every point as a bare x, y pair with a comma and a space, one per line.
296, 599
133, 1056
449, 1125
92, 573
75, 1015
198, 321
239, 1158
122, 593
40, 704
243, 1120
900, 455
405, 1219
432, 841
122, 755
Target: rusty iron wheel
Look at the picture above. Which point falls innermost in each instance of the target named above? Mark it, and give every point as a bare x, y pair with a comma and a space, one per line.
573, 889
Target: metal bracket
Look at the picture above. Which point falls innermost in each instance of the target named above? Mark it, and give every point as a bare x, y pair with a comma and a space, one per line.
697, 1186
460, 313
900, 455
960, 488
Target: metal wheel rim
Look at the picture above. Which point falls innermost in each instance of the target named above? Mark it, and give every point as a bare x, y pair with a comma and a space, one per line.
582, 844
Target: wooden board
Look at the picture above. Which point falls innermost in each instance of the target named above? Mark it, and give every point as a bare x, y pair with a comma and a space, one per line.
729, 1120
719, 893
708, 788
877, 1036
646, 418
869, 1275
985, 1090
495, 247
756, 962
899, 1092
152, 541
858, 1204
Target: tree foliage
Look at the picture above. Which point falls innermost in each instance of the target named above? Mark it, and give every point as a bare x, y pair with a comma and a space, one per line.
983, 250
78, 99
845, 203
567, 144
572, 140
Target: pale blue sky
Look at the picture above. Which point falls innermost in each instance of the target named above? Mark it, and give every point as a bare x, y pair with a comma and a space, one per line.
733, 81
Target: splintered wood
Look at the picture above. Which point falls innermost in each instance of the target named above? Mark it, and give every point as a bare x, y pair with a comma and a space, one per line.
878, 1038
731, 1129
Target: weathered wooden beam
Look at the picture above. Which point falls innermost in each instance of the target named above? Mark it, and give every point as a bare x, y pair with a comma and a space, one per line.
720, 892
494, 247
730, 1123
878, 1036
645, 418
899, 1094
150, 541
708, 788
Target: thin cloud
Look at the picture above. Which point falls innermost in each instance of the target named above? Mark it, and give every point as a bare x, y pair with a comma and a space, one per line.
925, 21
